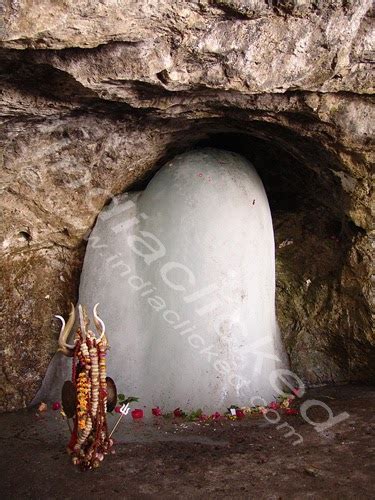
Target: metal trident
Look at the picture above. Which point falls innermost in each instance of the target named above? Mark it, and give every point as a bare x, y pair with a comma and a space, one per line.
124, 410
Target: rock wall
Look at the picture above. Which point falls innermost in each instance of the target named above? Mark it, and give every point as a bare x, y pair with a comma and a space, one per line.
95, 96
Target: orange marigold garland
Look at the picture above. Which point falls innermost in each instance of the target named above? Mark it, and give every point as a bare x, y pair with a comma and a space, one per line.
85, 398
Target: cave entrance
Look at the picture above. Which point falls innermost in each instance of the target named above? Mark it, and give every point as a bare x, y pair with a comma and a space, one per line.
312, 240
185, 273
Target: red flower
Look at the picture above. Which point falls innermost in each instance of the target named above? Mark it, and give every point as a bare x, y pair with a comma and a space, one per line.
203, 417
56, 406
156, 412
239, 413
297, 391
178, 412
274, 405
137, 414
291, 411
117, 409
216, 416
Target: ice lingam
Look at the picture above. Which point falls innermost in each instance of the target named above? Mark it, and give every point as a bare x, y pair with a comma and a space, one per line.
184, 272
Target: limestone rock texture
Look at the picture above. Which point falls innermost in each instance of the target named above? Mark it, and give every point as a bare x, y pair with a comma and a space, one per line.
96, 96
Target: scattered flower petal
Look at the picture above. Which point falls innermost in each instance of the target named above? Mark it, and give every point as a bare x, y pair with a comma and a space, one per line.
240, 413
291, 411
137, 414
178, 413
42, 407
203, 417
274, 405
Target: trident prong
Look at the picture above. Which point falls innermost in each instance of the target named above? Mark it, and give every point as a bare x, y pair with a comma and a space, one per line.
124, 410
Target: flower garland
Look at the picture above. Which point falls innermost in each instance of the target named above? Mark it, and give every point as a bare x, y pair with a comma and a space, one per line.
89, 439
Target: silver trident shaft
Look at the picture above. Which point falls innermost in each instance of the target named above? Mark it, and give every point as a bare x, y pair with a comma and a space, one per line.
124, 410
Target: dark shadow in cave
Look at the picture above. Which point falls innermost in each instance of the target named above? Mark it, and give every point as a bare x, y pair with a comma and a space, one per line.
292, 185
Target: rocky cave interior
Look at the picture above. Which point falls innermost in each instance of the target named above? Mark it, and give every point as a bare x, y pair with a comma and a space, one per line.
85, 120
320, 303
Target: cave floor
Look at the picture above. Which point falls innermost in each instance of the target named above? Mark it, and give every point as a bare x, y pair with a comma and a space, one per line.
249, 458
